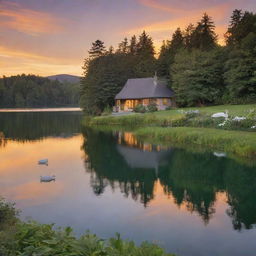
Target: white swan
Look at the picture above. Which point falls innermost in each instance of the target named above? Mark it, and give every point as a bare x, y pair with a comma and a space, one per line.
221, 114
47, 178
43, 161
220, 154
239, 118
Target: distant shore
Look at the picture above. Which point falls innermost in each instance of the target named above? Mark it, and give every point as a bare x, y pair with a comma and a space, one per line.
39, 109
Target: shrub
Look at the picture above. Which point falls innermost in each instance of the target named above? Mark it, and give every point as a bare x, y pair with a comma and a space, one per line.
41, 239
140, 109
152, 107
107, 111
8, 214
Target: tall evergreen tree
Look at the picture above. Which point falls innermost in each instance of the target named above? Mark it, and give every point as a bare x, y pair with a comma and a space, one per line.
123, 46
230, 35
145, 61
133, 45
188, 36
241, 24
145, 47
98, 49
162, 62
177, 41
204, 36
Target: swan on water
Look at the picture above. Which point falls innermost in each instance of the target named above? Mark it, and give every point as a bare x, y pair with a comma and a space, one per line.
220, 154
47, 178
43, 161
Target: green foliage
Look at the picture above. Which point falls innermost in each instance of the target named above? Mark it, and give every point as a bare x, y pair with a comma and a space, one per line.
33, 238
199, 70
187, 117
106, 73
197, 77
8, 214
34, 91
240, 77
152, 107
107, 111
204, 36
241, 25
140, 109
240, 143
98, 49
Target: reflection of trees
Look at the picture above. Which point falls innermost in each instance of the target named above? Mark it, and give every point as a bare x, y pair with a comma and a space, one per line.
37, 125
2, 140
241, 193
192, 179
108, 167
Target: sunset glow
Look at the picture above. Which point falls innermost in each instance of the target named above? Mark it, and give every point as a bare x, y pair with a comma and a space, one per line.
53, 36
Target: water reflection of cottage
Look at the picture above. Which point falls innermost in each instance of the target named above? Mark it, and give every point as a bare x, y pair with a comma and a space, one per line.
141, 155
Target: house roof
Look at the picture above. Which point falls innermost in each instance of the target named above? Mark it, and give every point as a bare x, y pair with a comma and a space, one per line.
141, 88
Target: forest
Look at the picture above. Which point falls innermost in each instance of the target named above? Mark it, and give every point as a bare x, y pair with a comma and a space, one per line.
200, 70
35, 91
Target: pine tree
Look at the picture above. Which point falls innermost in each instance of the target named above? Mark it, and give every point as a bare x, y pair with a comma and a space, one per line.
230, 35
111, 50
133, 45
123, 46
162, 62
204, 36
241, 25
177, 41
145, 47
188, 34
98, 49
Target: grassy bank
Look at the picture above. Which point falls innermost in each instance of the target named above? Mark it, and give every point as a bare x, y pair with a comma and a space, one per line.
31, 238
239, 143
182, 117
183, 126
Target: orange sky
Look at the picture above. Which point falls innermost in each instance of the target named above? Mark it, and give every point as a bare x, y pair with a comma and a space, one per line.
53, 36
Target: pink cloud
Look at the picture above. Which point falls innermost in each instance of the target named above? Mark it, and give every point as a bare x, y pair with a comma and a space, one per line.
28, 21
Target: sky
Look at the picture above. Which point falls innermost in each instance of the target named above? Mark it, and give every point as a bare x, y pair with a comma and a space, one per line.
48, 37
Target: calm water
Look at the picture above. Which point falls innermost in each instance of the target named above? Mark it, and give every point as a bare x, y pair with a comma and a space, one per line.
189, 203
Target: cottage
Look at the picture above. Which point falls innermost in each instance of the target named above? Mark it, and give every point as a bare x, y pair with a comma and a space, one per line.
144, 91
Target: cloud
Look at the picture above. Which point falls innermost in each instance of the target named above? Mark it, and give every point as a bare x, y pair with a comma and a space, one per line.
183, 18
32, 22
157, 5
14, 61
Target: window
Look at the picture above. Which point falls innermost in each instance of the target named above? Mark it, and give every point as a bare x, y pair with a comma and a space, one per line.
152, 101
145, 101
165, 101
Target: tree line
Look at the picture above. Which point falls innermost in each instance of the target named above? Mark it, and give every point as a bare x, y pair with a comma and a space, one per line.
35, 91
200, 71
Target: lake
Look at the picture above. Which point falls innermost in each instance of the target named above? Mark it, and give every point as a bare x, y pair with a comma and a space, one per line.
190, 203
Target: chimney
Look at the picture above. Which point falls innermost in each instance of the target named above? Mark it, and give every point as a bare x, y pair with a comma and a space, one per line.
155, 78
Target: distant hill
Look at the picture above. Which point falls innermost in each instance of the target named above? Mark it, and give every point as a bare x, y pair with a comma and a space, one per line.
65, 78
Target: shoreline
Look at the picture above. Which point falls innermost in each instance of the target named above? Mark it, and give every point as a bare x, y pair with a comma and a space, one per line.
182, 126
55, 109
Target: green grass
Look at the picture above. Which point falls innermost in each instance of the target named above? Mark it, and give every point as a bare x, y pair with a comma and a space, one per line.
172, 117
237, 142
173, 126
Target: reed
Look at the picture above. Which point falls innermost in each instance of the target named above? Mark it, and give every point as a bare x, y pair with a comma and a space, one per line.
237, 142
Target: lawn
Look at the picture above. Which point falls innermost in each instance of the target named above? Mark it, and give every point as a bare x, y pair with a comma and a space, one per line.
175, 126
173, 117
